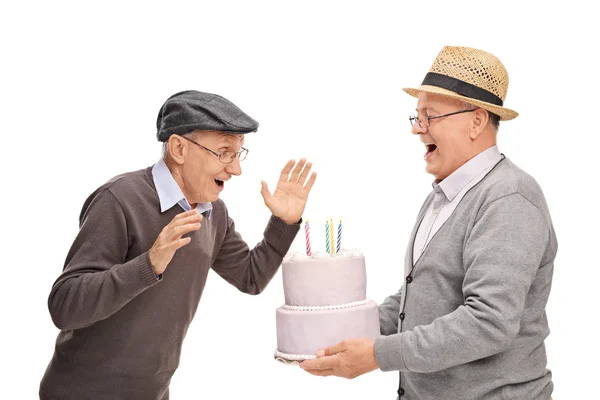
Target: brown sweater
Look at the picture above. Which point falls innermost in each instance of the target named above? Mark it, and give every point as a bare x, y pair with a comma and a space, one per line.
121, 328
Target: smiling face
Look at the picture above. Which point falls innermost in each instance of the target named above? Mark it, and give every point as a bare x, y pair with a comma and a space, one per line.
453, 140
199, 173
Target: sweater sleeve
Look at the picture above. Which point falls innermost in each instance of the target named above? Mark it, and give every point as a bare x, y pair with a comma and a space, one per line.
388, 314
250, 270
501, 257
97, 280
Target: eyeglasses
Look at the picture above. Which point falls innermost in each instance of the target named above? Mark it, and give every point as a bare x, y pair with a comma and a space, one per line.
426, 124
226, 157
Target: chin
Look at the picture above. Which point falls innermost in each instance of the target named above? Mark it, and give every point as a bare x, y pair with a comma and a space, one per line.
205, 199
431, 171
212, 199
209, 200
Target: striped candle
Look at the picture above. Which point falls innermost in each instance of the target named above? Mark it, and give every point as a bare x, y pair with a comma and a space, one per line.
307, 234
327, 238
339, 236
332, 234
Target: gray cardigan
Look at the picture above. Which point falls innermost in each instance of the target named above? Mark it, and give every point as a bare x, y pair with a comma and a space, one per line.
469, 321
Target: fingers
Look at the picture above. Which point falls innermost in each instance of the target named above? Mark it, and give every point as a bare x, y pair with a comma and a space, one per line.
319, 364
297, 170
186, 218
304, 173
311, 181
169, 240
336, 348
285, 172
181, 224
185, 214
182, 242
178, 231
324, 372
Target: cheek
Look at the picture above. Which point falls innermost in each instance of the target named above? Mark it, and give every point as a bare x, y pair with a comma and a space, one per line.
447, 154
191, 178
196, 177
209, 172
444, 146
448, 145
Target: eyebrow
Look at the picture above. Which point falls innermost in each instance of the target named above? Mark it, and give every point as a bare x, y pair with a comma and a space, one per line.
226, 143
428, 109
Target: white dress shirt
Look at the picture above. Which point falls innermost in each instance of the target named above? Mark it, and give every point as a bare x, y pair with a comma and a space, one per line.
448, 194
169, 192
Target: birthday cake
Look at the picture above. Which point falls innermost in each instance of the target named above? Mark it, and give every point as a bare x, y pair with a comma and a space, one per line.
325, 303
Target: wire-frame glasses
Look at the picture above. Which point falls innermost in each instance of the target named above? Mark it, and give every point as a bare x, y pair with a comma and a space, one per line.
226, 157
426, 124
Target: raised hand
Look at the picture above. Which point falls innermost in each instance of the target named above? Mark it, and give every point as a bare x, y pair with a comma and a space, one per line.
169, 240
289, 199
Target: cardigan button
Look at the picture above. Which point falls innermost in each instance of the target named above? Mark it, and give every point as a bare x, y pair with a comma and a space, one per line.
409, 279
402, 316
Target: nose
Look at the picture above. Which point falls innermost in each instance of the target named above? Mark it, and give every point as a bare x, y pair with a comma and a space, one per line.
235, 168
417, 129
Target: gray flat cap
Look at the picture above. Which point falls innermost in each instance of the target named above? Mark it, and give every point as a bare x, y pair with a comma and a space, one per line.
189, 110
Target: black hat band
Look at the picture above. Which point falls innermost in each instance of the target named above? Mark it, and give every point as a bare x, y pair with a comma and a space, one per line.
461, 87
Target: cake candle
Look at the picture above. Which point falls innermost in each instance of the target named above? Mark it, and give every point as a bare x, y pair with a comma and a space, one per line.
339, 236
332, 234
307, 234
327, 237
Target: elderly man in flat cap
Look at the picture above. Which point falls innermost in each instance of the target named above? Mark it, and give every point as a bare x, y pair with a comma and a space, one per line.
135, 273
469, 320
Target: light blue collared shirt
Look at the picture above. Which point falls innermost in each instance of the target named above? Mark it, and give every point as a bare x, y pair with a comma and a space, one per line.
169, 192
449, 192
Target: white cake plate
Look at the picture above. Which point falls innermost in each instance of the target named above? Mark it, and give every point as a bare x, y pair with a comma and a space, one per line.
291, 359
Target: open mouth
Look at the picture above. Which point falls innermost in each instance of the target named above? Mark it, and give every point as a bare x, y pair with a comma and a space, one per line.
219, 183
430, 147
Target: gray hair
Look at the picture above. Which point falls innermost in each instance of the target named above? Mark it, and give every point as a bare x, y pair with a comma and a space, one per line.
165, 144
494, 118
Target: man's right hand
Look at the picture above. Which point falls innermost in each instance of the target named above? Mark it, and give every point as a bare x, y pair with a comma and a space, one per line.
170, 239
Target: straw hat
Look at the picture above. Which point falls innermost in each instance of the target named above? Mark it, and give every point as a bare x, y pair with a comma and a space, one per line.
470, 75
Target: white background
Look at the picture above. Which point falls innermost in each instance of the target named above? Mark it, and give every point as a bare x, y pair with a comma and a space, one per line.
81, 86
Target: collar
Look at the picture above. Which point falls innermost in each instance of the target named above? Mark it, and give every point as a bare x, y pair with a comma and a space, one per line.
169, 192
460, 178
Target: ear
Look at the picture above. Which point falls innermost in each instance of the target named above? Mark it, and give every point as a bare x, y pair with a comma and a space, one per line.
177, 149
478, 123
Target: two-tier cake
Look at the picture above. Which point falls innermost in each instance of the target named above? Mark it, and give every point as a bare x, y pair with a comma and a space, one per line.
325, 303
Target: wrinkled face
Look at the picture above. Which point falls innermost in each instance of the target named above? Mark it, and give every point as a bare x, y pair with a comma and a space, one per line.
447, 142
202, 173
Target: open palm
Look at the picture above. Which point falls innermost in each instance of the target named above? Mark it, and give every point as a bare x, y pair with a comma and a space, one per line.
289, 199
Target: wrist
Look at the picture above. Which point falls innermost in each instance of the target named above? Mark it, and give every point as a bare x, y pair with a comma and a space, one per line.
374, 363
291, 222
155, 270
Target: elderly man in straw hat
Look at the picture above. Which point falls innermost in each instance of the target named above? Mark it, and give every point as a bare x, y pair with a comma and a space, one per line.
469, 320
135, 273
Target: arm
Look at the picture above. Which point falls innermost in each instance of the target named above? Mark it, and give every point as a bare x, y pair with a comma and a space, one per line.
388, 314
501, 257
96, 281
251, 270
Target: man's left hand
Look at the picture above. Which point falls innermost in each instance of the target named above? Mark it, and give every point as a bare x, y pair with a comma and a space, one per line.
289, 199
347, 359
